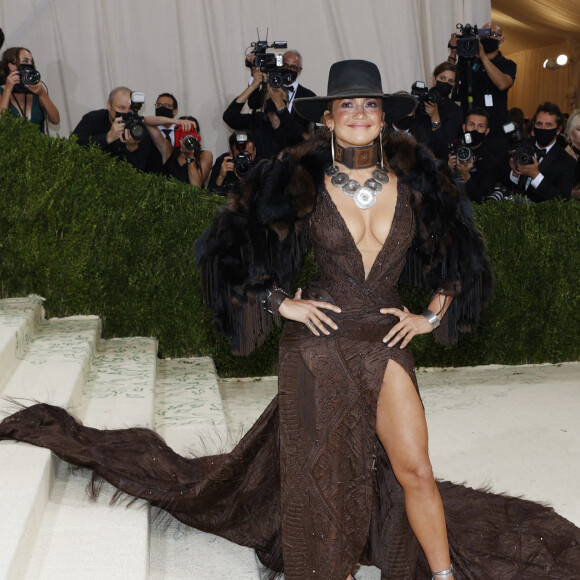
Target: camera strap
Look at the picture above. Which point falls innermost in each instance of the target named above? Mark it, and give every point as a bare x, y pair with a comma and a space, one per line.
22, 112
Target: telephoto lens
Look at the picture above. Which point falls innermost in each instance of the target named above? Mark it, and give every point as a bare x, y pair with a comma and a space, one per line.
29, 75
190, 142
464, 154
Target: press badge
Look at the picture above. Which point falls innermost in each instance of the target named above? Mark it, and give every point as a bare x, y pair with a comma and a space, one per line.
488, 100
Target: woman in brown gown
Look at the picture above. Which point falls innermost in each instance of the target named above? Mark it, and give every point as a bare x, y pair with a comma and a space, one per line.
336, 469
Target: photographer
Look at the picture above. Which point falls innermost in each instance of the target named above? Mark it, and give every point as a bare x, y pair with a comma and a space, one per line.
185, 160
106, 128
490, 75
291, 61
477, 167
438, 119
230, 167
273, 127
23, 93
545, 171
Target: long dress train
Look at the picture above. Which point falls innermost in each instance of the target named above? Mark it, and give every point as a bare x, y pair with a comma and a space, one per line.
310, 487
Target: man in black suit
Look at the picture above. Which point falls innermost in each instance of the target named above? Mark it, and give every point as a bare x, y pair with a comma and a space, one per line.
293, 62
106, 128
271, 121
479, 171
551, 172
492, 76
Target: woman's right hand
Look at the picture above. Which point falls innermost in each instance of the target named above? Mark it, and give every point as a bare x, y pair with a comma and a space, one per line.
433, 111
309, 313
12, 80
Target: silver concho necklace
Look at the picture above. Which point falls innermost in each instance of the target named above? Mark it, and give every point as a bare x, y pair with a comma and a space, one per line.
364, 196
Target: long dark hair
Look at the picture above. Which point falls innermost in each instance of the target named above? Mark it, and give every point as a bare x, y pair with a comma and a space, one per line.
12, 56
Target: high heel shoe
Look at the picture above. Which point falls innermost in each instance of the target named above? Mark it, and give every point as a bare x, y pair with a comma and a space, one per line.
443, 574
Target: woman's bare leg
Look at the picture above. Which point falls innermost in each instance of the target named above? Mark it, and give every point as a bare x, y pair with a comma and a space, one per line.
402, 429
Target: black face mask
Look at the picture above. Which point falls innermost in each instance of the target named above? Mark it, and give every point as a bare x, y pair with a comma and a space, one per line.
489, 44
545, 136
477, 138
404, 124
444, 89
163, 112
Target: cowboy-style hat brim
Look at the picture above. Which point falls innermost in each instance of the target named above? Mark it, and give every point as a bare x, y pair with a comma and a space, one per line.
395, 106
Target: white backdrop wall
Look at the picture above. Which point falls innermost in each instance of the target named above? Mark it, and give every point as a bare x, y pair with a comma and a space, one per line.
195, 48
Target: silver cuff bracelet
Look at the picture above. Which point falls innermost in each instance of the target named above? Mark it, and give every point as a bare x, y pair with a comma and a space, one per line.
432, 318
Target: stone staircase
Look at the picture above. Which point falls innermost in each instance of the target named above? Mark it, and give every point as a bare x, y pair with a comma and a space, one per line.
49, 527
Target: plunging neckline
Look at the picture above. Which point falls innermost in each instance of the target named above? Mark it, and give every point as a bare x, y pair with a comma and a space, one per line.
350, 237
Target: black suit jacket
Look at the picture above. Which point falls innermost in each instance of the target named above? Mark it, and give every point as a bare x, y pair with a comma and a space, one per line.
301, 93
269, 141
557, 167
254, 102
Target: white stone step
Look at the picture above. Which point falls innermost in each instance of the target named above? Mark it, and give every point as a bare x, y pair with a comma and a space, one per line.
78, 538
18, 319
190, 417
51, 368
55, 365
189, 412
24, 490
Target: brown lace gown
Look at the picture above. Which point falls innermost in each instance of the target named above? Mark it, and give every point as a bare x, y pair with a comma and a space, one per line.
309, 486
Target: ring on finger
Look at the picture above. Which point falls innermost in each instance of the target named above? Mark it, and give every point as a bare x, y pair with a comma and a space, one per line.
310, 325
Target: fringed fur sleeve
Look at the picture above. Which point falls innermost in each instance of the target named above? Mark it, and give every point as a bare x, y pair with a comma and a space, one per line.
448, 253
257, 243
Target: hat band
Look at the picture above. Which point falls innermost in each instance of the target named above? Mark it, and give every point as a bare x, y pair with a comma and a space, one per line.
351, 91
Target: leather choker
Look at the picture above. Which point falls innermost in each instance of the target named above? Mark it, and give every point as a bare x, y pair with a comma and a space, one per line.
358, 157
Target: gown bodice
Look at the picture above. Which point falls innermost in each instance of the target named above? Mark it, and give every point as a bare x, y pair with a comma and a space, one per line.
340, 277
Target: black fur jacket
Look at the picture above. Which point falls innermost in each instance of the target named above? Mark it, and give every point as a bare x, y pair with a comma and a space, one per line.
260, 239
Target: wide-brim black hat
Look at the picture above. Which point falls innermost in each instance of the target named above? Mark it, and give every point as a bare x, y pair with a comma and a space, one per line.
348, 79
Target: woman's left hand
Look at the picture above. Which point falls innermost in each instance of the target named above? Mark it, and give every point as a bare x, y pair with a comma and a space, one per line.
38, 89
409, 325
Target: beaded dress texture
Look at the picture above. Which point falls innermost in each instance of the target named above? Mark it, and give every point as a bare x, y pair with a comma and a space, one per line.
309, 487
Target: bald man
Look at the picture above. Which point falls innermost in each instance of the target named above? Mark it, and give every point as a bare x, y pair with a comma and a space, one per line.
493, 76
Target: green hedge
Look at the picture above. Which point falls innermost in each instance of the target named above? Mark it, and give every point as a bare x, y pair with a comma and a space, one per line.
94, 236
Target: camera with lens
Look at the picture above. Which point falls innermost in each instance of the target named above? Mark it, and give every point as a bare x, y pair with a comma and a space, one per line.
279, 76
468, 40
242, 157
499, 193
133, 121
191, 143
425, 95
28, 76
519, 150
462, 150
190, 139
272, 63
